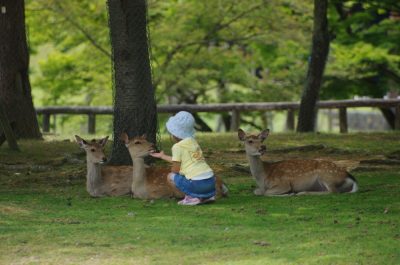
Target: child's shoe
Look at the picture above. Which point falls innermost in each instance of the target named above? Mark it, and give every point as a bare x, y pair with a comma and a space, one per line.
188, 200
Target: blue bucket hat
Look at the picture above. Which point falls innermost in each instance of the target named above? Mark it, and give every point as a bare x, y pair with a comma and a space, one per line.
181, 125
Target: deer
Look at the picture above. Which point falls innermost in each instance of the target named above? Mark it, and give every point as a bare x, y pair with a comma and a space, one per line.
150, 182
104, 180
295, 176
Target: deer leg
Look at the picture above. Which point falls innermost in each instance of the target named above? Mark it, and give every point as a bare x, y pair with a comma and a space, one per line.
331, 187
278, 191
259, 191
321, 187
279, 195
313, 193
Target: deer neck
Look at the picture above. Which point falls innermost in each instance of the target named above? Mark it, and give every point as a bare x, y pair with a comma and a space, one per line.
93, 179
257, 169
139, 172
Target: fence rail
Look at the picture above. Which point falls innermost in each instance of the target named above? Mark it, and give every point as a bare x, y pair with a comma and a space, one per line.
235, 108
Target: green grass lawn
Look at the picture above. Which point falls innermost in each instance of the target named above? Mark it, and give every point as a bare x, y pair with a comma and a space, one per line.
47, 217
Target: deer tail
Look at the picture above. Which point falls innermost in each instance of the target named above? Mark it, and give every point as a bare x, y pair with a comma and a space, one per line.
224, 190
354, 182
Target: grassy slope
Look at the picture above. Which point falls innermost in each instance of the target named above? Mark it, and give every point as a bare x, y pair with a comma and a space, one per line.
46, 216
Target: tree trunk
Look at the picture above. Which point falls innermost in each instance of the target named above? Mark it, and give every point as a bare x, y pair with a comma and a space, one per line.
8, 131
201, 125
319, 54
389, 116
15, 88
135, 109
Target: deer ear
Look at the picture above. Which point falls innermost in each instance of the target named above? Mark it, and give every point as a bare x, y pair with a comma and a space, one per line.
241, 135
263, 135
144, 136
82, 143
103, 141
124, 137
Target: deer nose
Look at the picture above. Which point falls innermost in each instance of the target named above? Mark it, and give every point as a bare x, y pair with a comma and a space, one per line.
104, 159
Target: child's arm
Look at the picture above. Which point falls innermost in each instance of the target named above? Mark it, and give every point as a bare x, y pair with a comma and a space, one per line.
162, 156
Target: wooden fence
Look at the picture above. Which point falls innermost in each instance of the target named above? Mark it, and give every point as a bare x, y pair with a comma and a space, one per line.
234, 108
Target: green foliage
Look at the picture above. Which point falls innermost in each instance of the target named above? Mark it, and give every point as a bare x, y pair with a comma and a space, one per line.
216, 51
364, 58
68, 79
356, 70
77, 69
215, 47
198, 48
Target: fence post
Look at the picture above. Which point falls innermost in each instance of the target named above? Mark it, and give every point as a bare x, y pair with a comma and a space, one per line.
55, 122
290, 120
343, 120
330, 120
264, 118
91, 123
397, 117
46, 122
235, 120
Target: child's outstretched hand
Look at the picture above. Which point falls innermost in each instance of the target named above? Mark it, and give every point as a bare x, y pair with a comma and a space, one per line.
157, 155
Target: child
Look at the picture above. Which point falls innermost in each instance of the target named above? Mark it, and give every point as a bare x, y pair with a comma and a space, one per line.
190, 172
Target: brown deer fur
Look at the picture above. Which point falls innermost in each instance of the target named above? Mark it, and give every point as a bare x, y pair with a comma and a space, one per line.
298, 176
103, 180
152, 182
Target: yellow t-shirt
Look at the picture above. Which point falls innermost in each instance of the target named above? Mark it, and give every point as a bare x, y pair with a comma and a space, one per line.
193, 164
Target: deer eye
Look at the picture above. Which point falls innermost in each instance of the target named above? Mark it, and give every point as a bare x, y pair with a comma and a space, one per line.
136, 142
93, 150
250, 141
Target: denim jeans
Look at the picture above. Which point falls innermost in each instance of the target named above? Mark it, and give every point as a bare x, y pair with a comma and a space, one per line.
204, 188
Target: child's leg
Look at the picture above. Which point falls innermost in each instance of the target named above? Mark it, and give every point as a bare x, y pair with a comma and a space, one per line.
170, 178
182, 183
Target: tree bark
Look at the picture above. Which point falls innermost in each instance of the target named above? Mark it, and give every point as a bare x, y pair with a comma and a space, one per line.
8, 131
135, 109
389, 116
319, 54
15, 88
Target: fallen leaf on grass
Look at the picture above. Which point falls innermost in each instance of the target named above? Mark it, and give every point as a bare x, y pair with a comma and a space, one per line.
261, 211
261, 243
386, 210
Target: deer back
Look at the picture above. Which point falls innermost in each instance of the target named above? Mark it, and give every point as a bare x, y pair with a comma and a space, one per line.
158, 185
303, 174
117, 180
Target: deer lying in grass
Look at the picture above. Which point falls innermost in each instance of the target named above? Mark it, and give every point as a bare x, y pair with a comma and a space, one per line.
152, 182
293, 176
103, 180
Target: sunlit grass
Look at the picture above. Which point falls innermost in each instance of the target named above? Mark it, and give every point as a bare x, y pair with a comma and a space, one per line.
47, 217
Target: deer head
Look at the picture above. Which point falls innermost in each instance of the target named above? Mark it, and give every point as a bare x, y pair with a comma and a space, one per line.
138, 146
94, 149
254, 143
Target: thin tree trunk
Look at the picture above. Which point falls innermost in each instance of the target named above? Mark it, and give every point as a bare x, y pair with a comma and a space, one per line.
389, 116
8, 132
201, 125
319, 54
15, 88
134, 102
